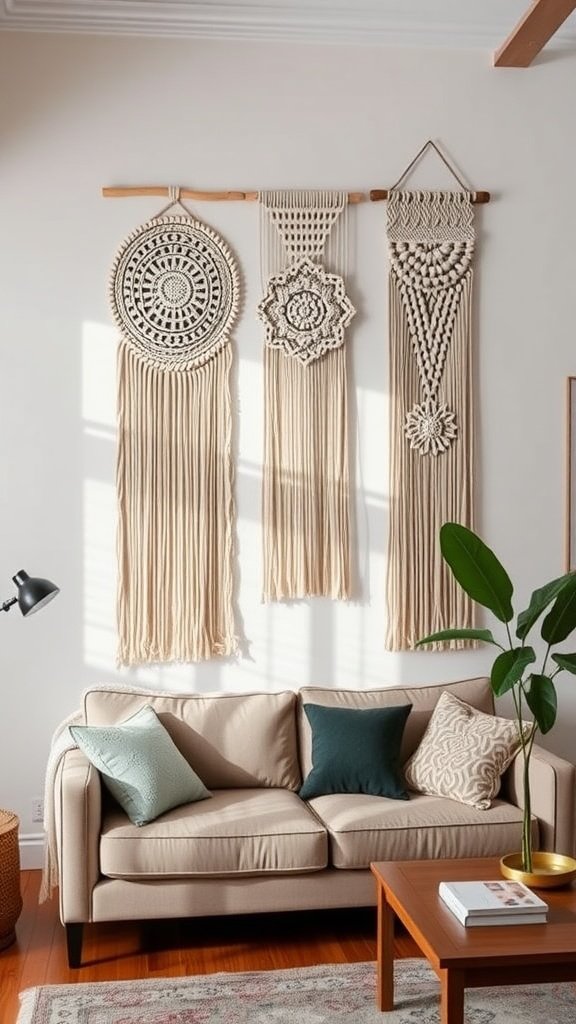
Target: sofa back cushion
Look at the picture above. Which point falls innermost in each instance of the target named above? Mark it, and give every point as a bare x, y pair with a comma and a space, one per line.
423, 699
230, 740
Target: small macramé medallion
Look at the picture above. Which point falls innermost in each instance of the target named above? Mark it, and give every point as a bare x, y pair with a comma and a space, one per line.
305, 311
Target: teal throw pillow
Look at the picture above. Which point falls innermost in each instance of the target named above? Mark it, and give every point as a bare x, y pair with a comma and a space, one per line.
356, 750
140, 765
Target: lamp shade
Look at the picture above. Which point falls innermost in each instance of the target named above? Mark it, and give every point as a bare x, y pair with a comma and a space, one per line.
33, 592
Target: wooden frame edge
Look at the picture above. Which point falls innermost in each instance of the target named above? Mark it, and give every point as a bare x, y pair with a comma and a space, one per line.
568, 553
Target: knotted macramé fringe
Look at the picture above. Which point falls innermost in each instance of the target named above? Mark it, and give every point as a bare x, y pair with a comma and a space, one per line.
427, 491
175, 511
306, 500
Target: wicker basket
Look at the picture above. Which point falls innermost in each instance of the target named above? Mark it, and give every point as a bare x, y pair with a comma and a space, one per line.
10, 897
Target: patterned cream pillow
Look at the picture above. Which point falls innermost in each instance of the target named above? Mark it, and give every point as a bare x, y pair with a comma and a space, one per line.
463, 753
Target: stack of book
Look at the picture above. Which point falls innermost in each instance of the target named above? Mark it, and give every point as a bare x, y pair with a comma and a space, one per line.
490, 903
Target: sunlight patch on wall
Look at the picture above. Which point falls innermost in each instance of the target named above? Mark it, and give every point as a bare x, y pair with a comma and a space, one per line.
99, 494
173, 677
270, 655
250, 412
282, 630
372, 409
99, 344
99, 574
356, 657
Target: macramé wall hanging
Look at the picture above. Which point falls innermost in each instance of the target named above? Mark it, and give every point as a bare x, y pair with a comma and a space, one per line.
174, 295
305, 311
431, 245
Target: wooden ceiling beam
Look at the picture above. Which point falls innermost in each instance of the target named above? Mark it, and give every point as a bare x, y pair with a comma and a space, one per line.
532, 32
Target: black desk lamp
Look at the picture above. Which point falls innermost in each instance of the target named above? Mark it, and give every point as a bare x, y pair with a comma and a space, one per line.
33, 593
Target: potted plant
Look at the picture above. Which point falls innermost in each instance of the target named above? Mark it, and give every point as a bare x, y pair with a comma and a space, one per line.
480, 574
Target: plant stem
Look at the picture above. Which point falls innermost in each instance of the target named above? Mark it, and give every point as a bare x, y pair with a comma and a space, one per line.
526, 744
526, 820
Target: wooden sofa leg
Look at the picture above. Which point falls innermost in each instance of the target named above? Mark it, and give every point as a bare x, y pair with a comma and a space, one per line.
74, 944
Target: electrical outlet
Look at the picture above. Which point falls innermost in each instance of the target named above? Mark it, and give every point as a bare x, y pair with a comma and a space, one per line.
38, 809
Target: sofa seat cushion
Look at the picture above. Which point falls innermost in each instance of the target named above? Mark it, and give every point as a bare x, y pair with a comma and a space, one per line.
365, 828
238, 831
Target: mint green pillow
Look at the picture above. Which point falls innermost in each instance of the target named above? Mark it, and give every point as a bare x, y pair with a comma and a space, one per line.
140, 765
356, 750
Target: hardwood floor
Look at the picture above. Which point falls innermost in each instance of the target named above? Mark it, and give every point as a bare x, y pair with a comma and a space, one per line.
114, 952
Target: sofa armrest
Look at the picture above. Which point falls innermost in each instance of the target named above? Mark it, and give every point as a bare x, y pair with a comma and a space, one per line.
78, 816
552, 795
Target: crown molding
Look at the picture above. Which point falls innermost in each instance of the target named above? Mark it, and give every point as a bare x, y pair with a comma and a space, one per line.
454, 23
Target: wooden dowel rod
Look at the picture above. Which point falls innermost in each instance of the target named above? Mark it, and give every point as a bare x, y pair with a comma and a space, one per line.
189, 193
112, 191
378, 194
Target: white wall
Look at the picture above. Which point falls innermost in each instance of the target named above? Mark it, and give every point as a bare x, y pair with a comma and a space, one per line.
79, 113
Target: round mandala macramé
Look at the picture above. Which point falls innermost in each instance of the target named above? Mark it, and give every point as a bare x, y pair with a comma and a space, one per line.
430, 427
305, 311
174, 292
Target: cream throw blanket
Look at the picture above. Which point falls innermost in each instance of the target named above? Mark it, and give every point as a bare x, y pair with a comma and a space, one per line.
61, 742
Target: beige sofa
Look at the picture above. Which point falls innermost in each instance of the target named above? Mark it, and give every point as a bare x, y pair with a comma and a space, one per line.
255, 845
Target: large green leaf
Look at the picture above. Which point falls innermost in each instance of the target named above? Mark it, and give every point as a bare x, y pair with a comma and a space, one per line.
538, 602
541, 699
561, 619
509, 668
459, 634
477, 570
566, 661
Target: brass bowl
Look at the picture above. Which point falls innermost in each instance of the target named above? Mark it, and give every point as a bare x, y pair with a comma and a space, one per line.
549, 870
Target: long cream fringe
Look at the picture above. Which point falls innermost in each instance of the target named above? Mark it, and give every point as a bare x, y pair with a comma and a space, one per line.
306, 508
175, 503
306, 501
427, 491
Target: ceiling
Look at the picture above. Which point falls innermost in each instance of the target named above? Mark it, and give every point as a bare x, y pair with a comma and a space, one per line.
477, 24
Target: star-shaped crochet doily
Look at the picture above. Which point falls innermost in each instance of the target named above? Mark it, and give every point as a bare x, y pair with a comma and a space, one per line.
430, 427
305, 311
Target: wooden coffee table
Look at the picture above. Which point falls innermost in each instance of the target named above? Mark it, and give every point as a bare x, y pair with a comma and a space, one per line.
468, 957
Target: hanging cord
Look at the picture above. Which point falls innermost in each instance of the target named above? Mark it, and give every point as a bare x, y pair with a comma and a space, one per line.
175, 200
453, 171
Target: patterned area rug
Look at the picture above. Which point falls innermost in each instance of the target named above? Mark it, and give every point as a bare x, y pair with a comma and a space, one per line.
339, 993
